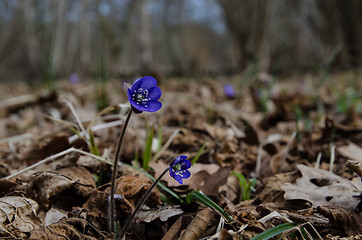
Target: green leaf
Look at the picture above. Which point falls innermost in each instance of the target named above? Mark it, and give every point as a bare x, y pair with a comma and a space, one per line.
244, 185
274, 231
160, 135
92, 145
202, 198
147, 152
198, 154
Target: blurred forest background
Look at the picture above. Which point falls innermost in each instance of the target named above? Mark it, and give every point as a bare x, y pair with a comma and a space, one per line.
43, 39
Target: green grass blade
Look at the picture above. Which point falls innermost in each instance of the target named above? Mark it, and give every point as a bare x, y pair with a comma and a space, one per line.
92, 144
243, 185
198, 154
160, 135
274, 231
250, 188
200, 197
147, 151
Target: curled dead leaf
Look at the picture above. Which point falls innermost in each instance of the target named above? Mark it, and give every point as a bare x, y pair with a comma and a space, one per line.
356, 166
73, 228
351, 151
52, 146
163, 213
323, 188
6, 185
343, 219
47, 185
19, 213
129, 189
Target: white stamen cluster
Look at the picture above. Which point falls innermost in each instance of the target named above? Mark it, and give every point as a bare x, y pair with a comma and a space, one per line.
140, 96
180, 173
177, 169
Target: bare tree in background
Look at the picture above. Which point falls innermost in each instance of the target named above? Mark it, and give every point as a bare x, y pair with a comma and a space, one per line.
145, 38
351, 19
54, 38
283, 35
59, 35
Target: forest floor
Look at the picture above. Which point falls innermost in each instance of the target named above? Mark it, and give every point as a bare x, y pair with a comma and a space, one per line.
278, 152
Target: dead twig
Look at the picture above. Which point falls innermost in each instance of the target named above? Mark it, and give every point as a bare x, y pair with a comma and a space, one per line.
198, 225
53, 157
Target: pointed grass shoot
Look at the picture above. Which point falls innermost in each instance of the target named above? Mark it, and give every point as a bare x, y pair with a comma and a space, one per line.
199, 197
246, 187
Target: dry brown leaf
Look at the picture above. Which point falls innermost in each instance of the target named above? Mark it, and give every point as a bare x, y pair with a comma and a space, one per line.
132, 189
356, 166
332, 237
54, 215
251, 133
163, 213
129, 189
19, 213
38, 152
57, 231
84, 182
6, 185
341, 218
351, 151
97, 202
47, 185
323, 188
272, 191
214, 181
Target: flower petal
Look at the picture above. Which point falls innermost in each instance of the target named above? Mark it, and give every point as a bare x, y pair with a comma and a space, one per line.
178, 159
144, 83
139, 107
178, 179
185, 174
185, 164
148, 82
153, 106
136, 84
154, 93
172, 174
129, 95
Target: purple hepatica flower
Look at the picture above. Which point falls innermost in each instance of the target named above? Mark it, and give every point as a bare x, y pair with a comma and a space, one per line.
74, 78
229, 90
178, 168
144, 94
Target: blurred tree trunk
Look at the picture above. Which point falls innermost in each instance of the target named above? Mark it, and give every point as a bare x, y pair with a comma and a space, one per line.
30, 37
236, 14
145, 39
351, 19
84, 39
292, 33
171, 19
59, 35
261, 34
129, 36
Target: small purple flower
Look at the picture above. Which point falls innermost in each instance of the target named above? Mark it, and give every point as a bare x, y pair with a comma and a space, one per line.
144, 94
178, 168
229, 90
74, 78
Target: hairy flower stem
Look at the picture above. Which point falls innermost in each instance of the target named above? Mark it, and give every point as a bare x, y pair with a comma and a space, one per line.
139, 204
114, 173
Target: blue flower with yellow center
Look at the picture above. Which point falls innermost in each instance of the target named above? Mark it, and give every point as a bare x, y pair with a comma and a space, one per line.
144, 94
178, 168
